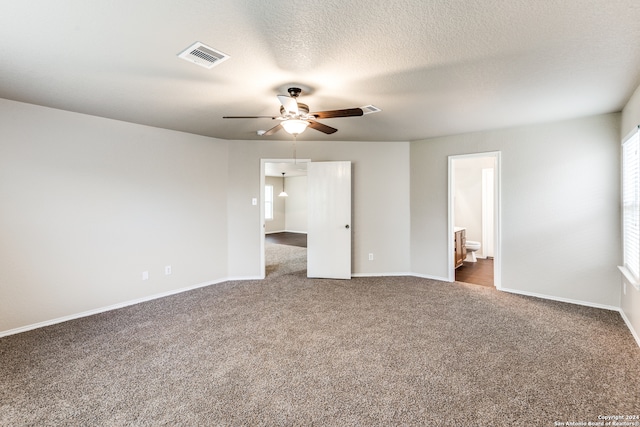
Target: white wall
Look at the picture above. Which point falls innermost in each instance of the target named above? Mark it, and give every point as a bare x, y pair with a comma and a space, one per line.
631, 114
468, 196
87, 204
468, 202
277, 224
296, 204
380, 201
560, 206
289, 213
630, 301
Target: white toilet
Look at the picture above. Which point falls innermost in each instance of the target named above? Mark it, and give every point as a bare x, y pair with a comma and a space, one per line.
472, 247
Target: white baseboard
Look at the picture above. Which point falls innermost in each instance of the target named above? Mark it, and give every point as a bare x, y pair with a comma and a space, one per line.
106, 308
380, 274
242, 278
560, 299
245, 278
634, 333
579, 302
426, 276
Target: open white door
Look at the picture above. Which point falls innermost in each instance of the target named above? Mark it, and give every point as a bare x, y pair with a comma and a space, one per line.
329, 220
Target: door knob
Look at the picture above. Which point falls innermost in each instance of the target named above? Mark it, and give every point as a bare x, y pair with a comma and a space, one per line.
346, 226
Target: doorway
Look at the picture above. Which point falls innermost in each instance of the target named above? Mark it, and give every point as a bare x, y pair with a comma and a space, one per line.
474, 213
271, 171
328, 216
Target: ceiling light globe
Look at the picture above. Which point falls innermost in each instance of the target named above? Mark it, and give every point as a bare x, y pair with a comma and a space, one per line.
295, 127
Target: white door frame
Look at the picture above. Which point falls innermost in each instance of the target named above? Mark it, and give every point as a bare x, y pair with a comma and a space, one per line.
261, 203
497, 217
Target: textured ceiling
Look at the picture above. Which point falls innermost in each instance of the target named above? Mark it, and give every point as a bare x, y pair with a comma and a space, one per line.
434, 67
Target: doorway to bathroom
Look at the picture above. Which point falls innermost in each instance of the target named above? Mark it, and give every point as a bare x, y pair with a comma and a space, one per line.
474, 219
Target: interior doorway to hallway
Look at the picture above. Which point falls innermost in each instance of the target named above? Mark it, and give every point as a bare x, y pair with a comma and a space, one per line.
271, 170
326, 215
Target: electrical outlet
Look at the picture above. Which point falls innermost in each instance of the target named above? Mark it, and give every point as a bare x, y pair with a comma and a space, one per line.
370, 257
167, 270
145, 275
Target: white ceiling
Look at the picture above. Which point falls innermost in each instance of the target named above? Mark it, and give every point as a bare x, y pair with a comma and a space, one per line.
290, 169
435, 67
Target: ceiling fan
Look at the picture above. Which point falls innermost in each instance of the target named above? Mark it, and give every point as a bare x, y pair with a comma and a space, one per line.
295, 116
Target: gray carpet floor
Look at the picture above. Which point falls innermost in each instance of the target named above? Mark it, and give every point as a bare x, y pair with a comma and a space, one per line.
288, 350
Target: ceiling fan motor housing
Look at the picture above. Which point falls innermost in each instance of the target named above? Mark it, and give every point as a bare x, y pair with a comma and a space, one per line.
303, 109
294, 92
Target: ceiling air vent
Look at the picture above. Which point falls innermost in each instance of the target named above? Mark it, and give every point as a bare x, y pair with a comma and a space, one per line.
203, 55
368, 109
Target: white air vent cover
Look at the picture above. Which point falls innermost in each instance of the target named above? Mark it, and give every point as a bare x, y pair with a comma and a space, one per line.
203, 55
368, 109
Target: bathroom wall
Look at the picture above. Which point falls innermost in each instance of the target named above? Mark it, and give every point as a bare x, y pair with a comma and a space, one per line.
468, 196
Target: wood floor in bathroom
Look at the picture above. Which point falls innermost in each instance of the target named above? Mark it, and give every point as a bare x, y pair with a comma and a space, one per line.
477, 273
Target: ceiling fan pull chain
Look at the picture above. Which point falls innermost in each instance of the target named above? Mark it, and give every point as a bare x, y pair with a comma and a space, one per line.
295, 158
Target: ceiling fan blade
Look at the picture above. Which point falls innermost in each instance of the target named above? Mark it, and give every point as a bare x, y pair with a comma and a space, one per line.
322, 127
272, 130
349, 112
250, 117
290, 105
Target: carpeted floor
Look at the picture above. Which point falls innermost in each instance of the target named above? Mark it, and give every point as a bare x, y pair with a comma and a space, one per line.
293, 351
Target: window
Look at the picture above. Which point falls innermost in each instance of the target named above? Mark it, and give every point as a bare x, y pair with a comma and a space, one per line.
268, 202
631, 207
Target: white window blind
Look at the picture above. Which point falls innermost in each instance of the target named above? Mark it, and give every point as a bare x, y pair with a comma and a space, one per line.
631, 204
268, 202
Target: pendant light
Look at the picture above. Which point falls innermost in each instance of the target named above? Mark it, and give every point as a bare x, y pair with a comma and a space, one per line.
283, 194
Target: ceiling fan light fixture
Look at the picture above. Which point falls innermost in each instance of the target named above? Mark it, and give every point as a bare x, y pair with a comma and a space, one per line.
295, 116
294, 126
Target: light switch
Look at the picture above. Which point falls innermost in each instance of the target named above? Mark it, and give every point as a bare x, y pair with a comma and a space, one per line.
254, 201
